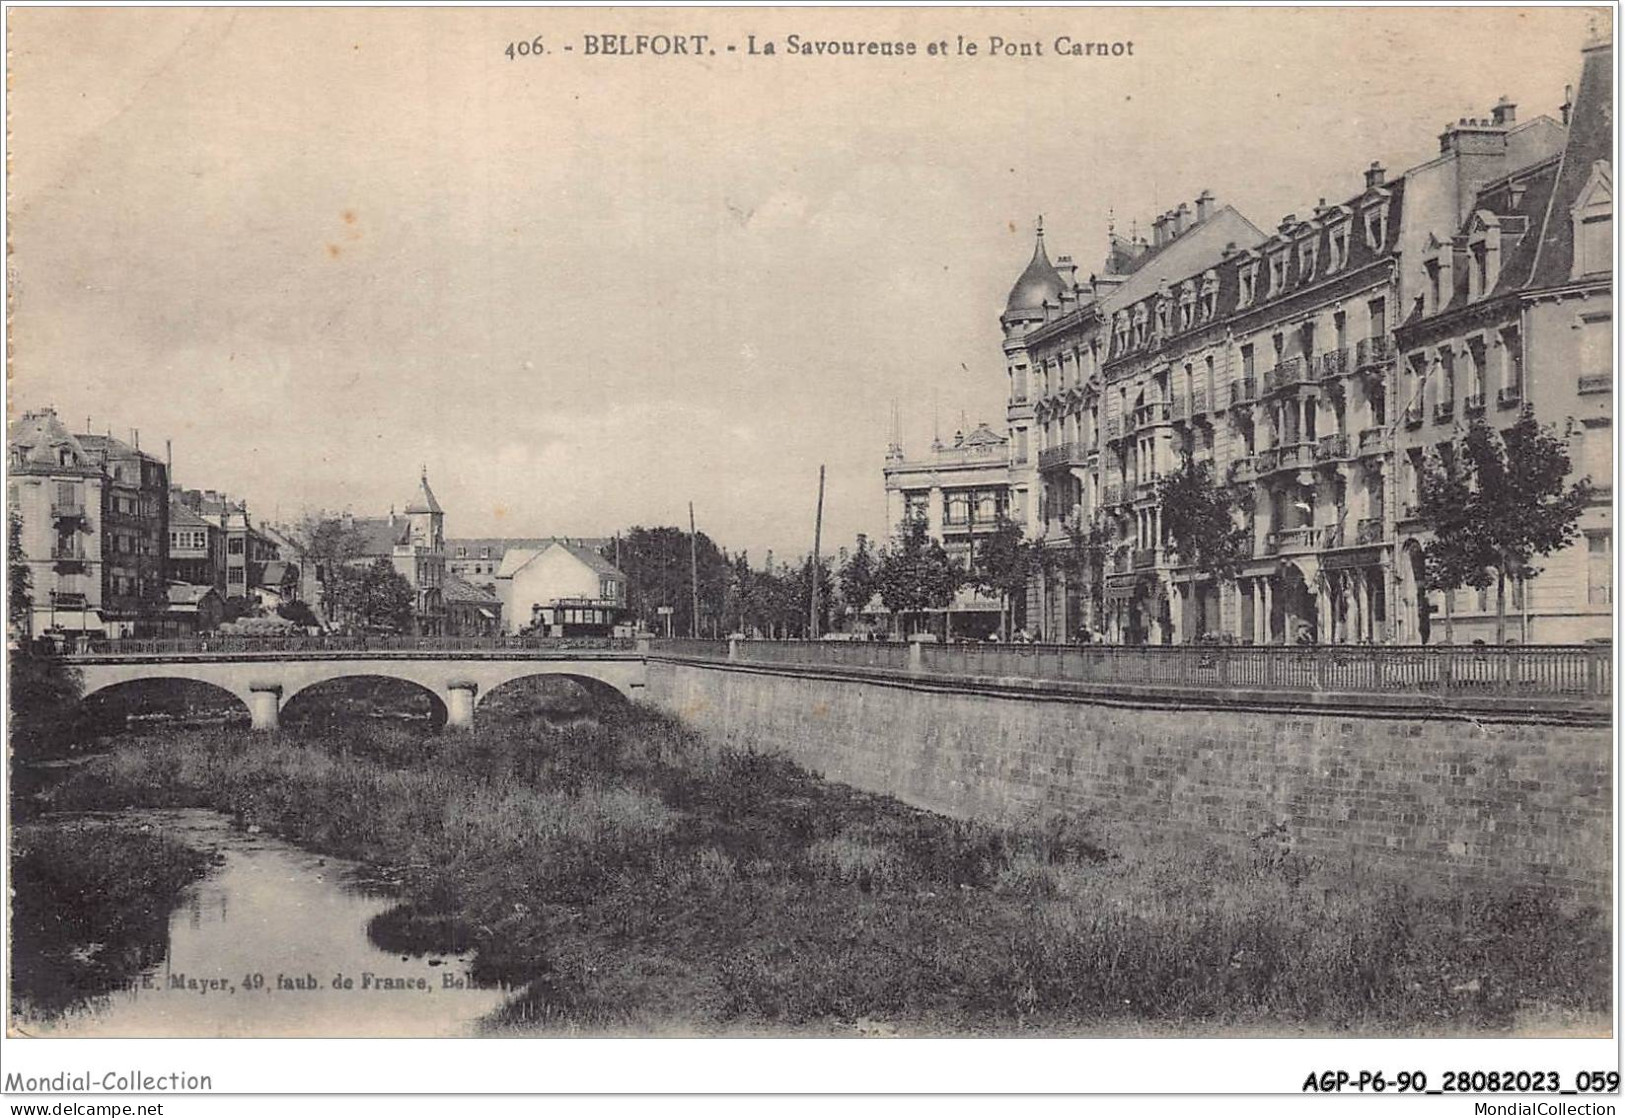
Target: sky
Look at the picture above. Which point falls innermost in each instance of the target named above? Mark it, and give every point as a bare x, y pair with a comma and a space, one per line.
316, 250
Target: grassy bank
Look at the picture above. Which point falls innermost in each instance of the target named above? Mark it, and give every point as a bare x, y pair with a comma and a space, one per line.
90, 908
630, 878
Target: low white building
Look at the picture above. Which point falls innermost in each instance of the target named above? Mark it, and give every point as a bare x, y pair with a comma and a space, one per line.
561, 589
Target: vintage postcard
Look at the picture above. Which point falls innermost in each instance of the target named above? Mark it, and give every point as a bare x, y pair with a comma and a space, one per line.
970, 523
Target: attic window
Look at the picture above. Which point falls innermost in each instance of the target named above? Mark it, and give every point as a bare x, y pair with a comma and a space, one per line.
1376, 227
1306, 258
64, 456
1278, 273
1337, 248
1594, 223
1249, 284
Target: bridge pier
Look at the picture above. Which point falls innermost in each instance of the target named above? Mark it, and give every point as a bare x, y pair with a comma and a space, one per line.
460, 706
264, 703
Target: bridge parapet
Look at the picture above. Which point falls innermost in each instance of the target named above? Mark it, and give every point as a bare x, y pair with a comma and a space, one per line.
1460, 677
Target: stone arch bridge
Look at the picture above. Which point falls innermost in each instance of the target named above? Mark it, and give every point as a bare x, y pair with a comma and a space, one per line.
266, 678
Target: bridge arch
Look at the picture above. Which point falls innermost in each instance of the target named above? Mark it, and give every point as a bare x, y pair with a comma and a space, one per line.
266, 682
161, 695
297, 702
597, 691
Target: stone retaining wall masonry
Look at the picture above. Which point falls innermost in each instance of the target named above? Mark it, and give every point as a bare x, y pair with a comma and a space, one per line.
1443, 799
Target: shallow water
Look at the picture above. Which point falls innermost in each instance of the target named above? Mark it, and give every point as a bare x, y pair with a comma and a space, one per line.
273, 943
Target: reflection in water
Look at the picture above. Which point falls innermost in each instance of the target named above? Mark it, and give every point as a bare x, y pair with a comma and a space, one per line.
274, 943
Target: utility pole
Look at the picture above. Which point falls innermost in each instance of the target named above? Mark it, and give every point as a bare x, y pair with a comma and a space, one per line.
818, 539
693, 572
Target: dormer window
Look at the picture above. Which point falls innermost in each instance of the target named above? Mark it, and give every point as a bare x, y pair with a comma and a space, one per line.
1593, 218
1376, 227
1337, 247
1483, 255
1438, 271
1210, 295
1306, 258
1277, 273
64, 456
1249, 284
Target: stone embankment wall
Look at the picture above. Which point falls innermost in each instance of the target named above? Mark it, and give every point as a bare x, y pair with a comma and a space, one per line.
1443, 798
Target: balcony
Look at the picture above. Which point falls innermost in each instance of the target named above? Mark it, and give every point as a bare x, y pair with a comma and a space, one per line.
1244, 469
1601, 383
1113, 496
1368, 531
1145, 558
1374, 440
1198, 403
1413, 416
1509, 397
1146, 484
1243, 391
1287, 374
1148, 415
1120, 563
1330, 448
1473, 404
1332, 536
1288, 456
64, 599
1292, 539
1373, 352
68, 510
1066, 454
1410, 510
1444, 411
1334, 364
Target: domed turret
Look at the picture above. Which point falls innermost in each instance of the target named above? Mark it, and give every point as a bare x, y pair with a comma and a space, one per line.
1039, 284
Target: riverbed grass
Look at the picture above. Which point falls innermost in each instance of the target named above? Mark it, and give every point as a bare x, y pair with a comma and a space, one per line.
90, 908
628, 877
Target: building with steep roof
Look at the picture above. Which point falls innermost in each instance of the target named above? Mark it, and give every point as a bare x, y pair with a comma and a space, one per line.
415, 545
1270, 356
57, 491
561, 589
476, 559
1511, 313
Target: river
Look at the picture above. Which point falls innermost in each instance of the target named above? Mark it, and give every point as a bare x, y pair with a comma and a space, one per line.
273, 943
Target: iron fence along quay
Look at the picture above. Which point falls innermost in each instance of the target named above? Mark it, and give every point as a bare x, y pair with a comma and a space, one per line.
289, 645
1579, 672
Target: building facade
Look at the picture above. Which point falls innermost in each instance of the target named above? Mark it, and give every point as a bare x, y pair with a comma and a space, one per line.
1511, 312
560, 589
960, 490
415, 545
1272, 357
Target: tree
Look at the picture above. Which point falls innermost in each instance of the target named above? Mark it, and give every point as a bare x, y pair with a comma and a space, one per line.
237, 607
1495, 504
656, 562
19, 587
376, 596
915, 574
43, 692
1198, 523
328, 546
798, 592
299, 613
860, 576
1001, 565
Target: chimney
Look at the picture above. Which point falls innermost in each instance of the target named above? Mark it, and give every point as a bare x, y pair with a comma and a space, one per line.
1156, 230
1375, 175
1204, 206
1182, 218
1288, 223
1229, 250
1068, 270
1504, 112
1567, 107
